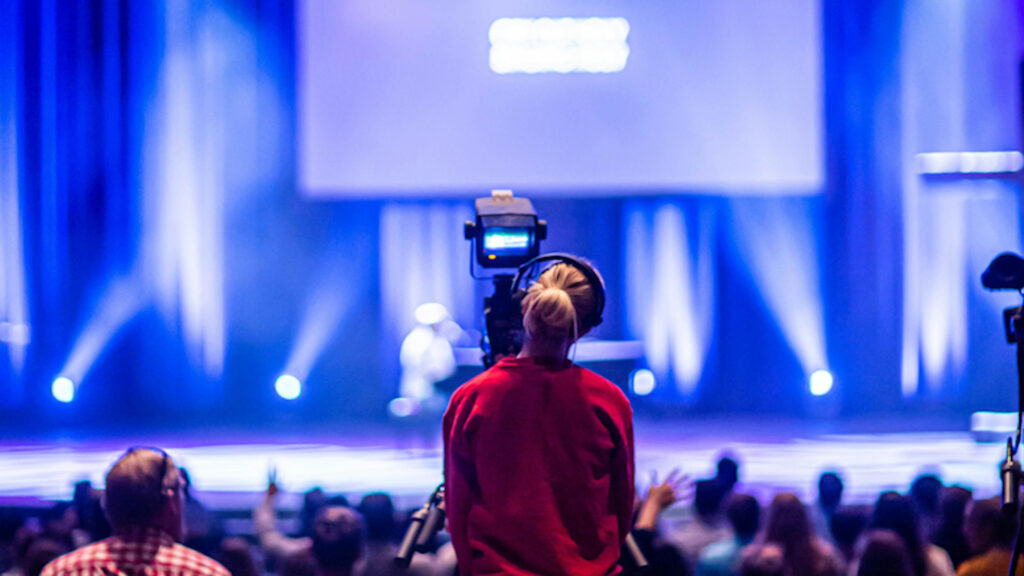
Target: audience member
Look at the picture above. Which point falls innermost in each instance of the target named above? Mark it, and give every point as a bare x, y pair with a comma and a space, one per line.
41, 552
950, 534
705, 526
722, 558
236, 555
803, 553
991, 533
92, 524
378, 512
23, 538
338, 537
144, 506
663, 558
830, 495
896, 512
847, 524
727, 474
763, 560
925, 492
203, 530
277, 546
312, 501
884, 553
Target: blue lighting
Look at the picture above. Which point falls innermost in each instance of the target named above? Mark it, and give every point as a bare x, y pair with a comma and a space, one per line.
820, 382
403, 407
63, 389
288, 387
642, 382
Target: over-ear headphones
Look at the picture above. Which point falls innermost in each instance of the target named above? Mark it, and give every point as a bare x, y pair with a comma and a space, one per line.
532, 269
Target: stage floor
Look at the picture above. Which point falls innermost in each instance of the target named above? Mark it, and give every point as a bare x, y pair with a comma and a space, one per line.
229, 468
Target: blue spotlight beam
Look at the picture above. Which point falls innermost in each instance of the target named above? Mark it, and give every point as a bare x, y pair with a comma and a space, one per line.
119, 305
776, 240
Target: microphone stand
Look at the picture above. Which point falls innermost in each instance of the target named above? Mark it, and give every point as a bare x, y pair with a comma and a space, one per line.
1010, 471
423, 528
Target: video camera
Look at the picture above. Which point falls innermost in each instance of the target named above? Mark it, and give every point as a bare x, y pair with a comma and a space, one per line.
505, 235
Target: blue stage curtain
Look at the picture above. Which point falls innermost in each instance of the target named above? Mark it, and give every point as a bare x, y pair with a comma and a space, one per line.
15, 324
864, 204
137, 138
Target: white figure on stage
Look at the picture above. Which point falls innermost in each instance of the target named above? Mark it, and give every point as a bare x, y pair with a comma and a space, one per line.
427, 357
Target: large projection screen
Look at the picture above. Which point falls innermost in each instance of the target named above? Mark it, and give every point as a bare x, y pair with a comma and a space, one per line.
399, 98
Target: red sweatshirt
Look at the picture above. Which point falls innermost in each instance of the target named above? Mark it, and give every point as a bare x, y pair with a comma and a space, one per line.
538, 468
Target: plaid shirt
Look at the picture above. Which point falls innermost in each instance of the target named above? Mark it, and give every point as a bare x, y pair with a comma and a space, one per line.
142, 552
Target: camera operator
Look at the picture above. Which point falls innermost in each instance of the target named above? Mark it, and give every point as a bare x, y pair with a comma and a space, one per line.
539, 451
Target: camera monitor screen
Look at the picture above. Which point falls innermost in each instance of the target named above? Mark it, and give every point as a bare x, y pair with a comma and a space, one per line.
404, 98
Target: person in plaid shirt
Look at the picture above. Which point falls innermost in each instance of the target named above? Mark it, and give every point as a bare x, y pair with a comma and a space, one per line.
144, 503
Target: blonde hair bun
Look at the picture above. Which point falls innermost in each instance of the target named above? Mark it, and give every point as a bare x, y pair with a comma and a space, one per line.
555, 303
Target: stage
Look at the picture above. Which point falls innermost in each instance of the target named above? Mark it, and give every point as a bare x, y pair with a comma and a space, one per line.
229, 467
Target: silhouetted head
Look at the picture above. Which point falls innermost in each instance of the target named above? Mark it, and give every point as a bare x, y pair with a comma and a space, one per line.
987, 526
830, 490
787, 520
744, 513
337, 538
896, 512
728, 472
884, 554
925, 492
379, 514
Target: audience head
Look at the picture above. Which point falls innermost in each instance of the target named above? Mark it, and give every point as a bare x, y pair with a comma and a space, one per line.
728, 473
379, 514
312, 501
925, 492
884, 553
40, 552
144, 490
787, 520
949, 533
830, 490
789, 526
556, 303
953, 504
987, 526
896, 512
300, 563
236, 556
337, 538
744, 513
762, 560
88, 505
846, 524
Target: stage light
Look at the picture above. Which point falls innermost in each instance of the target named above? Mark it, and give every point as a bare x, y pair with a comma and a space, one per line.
403, 407
288, 387
642, 382
559, 45
121, 302
969, 162
63, 389
820, 382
